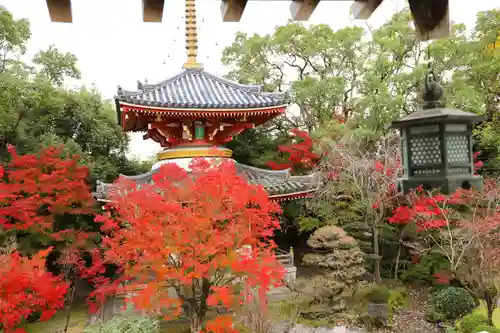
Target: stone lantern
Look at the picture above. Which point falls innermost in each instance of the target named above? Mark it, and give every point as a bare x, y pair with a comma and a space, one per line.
437, 145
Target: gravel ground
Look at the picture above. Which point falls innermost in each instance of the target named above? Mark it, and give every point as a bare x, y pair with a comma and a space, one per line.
412, 319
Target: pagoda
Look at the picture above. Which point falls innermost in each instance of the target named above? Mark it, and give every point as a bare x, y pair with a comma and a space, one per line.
194, 113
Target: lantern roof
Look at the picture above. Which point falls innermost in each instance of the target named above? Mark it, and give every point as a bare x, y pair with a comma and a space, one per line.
436, 115
198, 89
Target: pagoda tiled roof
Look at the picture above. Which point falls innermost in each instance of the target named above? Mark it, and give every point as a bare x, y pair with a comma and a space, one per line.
277, 183
198, 89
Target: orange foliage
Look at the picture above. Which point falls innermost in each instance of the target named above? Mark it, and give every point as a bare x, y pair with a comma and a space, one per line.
187, 232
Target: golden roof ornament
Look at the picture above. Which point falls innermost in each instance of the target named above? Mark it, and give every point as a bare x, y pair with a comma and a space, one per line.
191, 37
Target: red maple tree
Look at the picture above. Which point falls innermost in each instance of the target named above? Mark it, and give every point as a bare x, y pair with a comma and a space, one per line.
299, 154
36, 189
192, 240
26, 288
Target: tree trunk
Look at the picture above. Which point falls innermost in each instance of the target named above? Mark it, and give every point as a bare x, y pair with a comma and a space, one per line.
196, 323
396, 264
376, 253
69, 301
488, 298
200, 310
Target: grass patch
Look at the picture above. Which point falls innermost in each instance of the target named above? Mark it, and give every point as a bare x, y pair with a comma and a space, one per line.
481, 309
78, 320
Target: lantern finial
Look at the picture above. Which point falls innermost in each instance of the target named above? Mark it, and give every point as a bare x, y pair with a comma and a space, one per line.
432, 92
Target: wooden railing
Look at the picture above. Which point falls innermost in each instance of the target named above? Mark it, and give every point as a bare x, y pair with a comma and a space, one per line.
285, 258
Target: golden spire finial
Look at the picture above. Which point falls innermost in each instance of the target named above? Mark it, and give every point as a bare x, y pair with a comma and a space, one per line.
191, 37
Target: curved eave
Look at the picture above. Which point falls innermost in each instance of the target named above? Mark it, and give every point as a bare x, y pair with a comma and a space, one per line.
292, 196
140, 108
274, 198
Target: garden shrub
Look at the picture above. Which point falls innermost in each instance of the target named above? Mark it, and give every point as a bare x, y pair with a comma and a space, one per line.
423, 272
486, 328
432, 315
126, 323
453, 302
469, 323
398, 298
378, 294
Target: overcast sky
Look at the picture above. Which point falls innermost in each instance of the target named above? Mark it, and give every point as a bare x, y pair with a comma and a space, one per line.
114, 46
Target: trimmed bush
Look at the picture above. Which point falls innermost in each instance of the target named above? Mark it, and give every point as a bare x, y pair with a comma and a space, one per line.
453, 302
486, 328
126, 323
379, 294
469, 323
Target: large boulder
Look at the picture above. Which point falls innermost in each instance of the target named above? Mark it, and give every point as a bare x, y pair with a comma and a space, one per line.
337, 261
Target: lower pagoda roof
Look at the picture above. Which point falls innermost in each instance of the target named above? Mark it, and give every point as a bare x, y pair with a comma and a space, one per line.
279, 184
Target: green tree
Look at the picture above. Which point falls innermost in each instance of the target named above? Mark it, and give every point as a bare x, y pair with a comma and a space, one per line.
14, 35
318, 66
56, 65
471, 76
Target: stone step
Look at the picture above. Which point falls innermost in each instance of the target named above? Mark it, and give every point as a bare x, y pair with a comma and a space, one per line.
280, 294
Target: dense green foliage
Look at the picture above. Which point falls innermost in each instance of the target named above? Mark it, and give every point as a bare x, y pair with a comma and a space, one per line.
379, 294
423, 272
453, 302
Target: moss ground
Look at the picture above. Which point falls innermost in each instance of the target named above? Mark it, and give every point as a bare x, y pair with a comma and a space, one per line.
77, 322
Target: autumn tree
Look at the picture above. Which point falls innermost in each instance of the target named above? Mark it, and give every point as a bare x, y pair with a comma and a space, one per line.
192, 240
36, 191
27, 288
349, 173
299, 155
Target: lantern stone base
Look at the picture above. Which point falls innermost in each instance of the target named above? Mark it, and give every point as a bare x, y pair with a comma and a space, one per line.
447, 184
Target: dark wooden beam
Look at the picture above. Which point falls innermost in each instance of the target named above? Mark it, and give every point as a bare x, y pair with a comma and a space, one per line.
442, 30
152, 10
431, 18
302, 9
60, 10
232, 10
363, 9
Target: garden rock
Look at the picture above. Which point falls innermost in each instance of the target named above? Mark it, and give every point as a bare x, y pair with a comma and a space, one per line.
379, 312
337, 263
